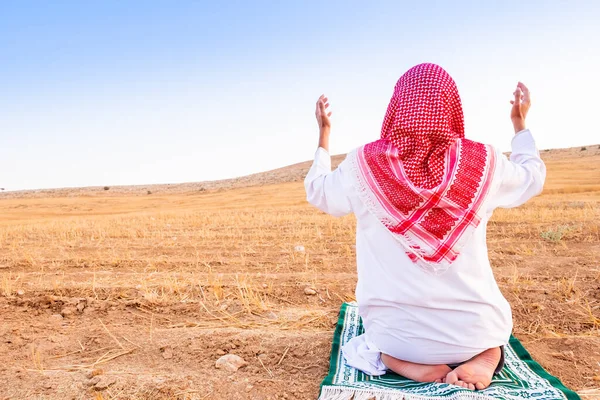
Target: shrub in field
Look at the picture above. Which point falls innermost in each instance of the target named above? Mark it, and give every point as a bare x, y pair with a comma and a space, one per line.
555, 235
106, 188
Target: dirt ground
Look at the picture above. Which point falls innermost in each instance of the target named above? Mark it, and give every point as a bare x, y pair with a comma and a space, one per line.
125, 294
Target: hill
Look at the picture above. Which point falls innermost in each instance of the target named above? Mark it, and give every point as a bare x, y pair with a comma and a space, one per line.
290, 173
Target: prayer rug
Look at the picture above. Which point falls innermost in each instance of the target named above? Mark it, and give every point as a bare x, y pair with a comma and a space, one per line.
521, 378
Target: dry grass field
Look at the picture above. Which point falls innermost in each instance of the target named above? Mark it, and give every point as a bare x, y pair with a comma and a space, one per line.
121, 294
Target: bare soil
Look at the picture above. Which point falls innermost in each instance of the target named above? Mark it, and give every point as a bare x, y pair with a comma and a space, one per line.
121, 294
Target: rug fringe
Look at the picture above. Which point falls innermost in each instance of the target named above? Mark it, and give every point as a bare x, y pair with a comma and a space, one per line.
339, 393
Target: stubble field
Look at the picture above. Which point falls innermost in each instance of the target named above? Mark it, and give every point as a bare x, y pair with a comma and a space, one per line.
126, 294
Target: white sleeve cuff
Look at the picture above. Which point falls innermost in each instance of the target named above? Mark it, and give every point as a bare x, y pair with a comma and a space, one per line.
523, 142
323, 159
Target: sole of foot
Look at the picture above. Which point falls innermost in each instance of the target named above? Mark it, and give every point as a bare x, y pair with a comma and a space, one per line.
416, 372
476, 373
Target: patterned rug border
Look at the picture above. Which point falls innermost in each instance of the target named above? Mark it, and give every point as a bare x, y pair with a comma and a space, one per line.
516, 345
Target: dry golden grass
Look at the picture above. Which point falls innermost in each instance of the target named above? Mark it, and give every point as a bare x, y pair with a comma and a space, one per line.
155, 287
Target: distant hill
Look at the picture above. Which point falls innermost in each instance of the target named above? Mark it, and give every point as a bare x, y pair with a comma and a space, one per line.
291, 173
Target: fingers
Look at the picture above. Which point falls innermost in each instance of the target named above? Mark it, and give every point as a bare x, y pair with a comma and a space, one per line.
518, 94
322, 106
525, 90
320, 101
521, 94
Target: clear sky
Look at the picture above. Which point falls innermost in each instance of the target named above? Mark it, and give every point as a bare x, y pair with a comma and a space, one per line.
134, 92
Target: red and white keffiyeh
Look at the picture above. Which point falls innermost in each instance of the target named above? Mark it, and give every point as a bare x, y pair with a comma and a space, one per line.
423, 180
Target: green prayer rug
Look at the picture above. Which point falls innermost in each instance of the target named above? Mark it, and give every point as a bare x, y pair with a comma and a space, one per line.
521, 378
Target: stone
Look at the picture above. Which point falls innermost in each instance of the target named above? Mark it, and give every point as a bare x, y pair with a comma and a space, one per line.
310, 291
167, 352
230, 362
270, 315
104, 382
56, 318
93, 373
299, 249
67, 311
93, 380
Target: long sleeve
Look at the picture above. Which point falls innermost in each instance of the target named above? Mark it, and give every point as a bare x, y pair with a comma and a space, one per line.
327, 190
522, 177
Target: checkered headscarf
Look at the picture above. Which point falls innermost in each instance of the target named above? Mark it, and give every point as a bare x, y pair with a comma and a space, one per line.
423, 180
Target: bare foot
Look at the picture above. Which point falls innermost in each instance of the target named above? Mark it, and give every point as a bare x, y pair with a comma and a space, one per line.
476, 373
416, 372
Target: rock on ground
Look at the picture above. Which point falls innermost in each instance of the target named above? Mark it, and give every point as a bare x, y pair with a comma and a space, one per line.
230, 362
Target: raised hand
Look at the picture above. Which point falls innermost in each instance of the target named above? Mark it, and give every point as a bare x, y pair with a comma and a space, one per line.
324, 122
323, 114
520, 107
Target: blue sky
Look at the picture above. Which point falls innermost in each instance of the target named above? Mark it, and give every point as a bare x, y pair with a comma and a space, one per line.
139, 92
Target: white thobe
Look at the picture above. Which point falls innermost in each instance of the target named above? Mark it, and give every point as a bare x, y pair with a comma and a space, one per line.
411, 314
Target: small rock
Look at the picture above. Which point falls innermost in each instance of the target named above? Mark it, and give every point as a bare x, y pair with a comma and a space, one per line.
299, 249
56, 318
270, 315
221, 352
81, 306
93, 373
93, 381
167, 352
104, 382
230, 362
68, 311
310, 291
20, 292
249, 388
